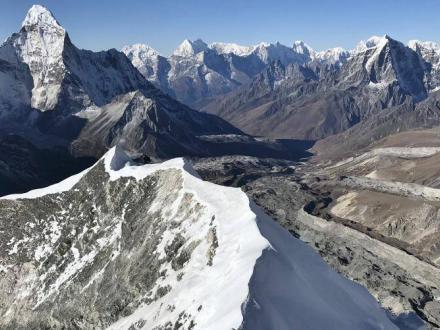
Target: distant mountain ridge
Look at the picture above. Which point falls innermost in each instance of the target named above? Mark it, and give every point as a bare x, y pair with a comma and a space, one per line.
196, 71
316, 100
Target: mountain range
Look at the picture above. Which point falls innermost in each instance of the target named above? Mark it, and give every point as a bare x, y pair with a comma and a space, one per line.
197, 72
339, 201
328, 91
64, 92
222, 187
79, 102
380, 74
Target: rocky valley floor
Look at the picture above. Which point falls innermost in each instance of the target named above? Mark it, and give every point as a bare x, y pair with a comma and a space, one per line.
372, 217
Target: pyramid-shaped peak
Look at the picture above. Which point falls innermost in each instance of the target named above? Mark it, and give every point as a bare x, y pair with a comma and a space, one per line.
39, 15
190, 48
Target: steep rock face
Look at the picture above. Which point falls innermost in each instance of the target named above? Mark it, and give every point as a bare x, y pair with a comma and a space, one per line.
380, 73
61, 71
39, 45
386, 62
153, 246
300, 47
65, 78
430, 54
156, 127
54, 92
404, 117
16, 86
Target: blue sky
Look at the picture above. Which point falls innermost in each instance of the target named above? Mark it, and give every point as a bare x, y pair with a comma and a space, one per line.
163, 24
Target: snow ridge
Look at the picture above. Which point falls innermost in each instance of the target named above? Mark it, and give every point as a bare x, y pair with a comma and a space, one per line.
190, 48
221, 288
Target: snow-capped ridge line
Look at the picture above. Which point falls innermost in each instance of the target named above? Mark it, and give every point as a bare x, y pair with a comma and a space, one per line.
141, 48
190, 48
231, 48
62, 186
230, 222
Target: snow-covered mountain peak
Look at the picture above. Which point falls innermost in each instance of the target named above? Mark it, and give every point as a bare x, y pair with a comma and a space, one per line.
337, 55
189, 48
139, 54
301, 47
375, 41
338, 50
41, 16
372, 42
40, 44
231, 48
262, 44
431, 45
268, 52
143, 50
429, 51
389, 62
51, 65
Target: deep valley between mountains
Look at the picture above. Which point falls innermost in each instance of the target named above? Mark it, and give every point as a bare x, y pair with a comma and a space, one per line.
221, 187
